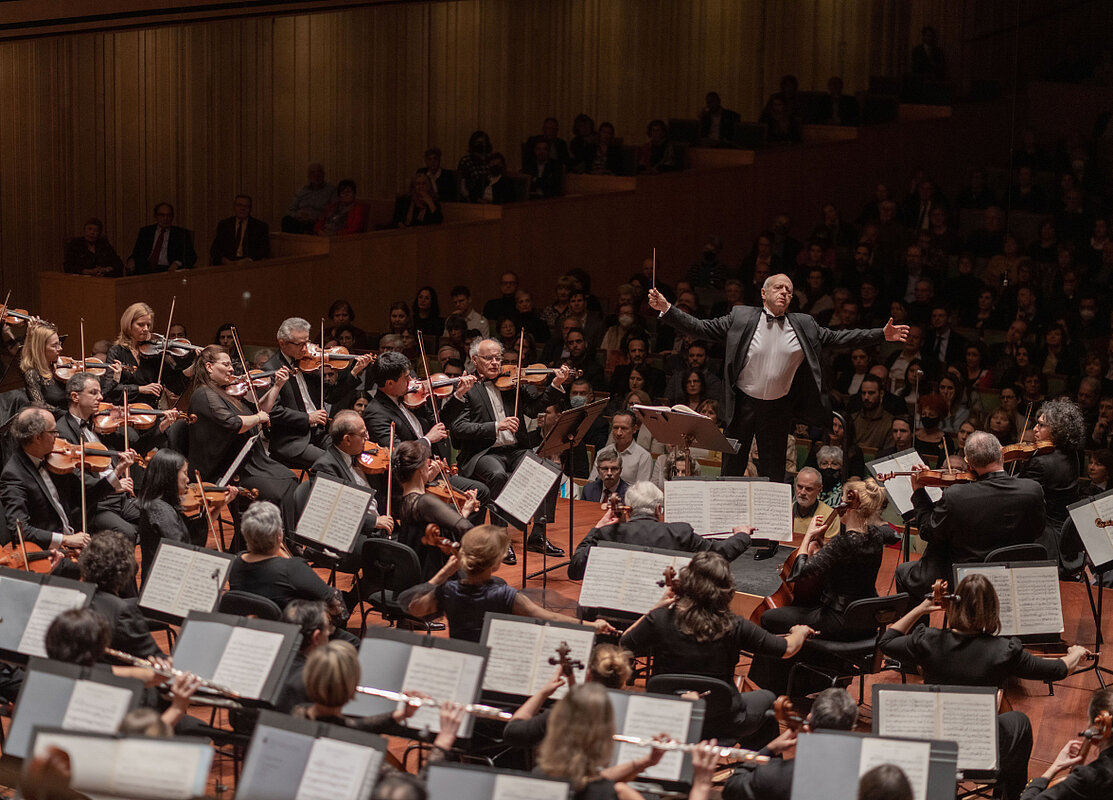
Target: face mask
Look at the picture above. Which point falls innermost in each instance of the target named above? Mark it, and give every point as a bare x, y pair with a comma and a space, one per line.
626, 320
1087, 314
831, 477
929, 422
577, 400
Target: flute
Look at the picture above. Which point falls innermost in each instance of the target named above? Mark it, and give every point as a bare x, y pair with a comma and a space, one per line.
168, 672
736, 753
487, 712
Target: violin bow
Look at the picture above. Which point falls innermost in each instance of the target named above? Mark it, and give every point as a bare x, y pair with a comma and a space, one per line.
322, 362
81, 326
653, 280
208, 511
390, 471
165, 342
518, 369
126, 420
436, 420
4, 308
22, 544
1020, 439
81, 444
246, 371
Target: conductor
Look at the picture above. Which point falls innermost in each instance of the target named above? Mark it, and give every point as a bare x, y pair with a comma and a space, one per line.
764, 349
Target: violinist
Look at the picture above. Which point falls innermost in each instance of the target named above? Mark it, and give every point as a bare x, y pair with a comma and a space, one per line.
49, 504
165, 482
299, 430
845, 568
41, 351
224, 424
413, 469
142, 385
1086, 781
1061, 423
108, 562
116, 512
972, 519
393, 374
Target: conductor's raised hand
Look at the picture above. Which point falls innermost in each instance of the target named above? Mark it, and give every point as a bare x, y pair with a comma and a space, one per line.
895, 333
657, 301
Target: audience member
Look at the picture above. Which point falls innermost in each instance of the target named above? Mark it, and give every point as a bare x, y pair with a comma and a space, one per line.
419, 207
472, 169
162, 247
344, 215
658, 154
241, 237
717, 125
91, 254
442, 182
310, 202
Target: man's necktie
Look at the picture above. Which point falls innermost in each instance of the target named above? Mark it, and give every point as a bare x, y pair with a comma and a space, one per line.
156, 253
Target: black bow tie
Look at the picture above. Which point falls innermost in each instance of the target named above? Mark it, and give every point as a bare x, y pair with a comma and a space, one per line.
772, 318
85, 424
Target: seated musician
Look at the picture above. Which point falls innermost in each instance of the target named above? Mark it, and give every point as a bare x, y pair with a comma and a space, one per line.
108, 562
492, 439
47, 504
393, 375
833, 710
1091, 781
315, 624
42, 348
692, 631
298, 432
465, 588
972, 519
116, 512
807, 505
971, 653
225, 424
609, 466
830, 576
645, 527
609, 665
144, 385
165, 482
1057, 472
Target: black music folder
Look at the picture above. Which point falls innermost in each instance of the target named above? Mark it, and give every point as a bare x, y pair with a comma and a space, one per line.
29, 602
183, 578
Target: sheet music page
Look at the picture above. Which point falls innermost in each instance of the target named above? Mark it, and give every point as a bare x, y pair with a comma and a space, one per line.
437, 673
515, 651
526, 489
161, 770
640, 591
17, 599
96, 707
899, 488
92, 760
1098, 541
164, 581
247, 660
581, 640
771, 510
336, 770
647, 717
909, 714
347, 517
519, 787
1039, 608
729, 503
201, 584
1002, 580
274, 754
603, 577
314, 519
914, 759
51, 602
970, 720
688, 501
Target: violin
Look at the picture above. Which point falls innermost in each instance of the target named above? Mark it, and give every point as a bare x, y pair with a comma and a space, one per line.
173, 347
1098, 731
109, 418
443, 490
787, 715
438, 384
337, 357
534, 373
66, 457
215, 496
939, 595
934, 477
36, 560
18, 316
375, 459
567, 664
260, 379
67, 367
669, 579
621, 512
1022, 451
433, 538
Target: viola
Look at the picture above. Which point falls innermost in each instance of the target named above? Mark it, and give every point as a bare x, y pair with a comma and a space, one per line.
178, 348
567, 664
215, 496
668, 579
621, 512
67, 367
939, 595
337, 357
438, 384
433, 538
1099, 730
109, 418
259, 379
66, 457
534, 373
443, 490
375, 459
934, 477
787, 715
1022, 451
34, 559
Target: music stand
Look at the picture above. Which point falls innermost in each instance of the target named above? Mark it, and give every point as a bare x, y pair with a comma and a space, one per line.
567, 432
684, 429
1098, 547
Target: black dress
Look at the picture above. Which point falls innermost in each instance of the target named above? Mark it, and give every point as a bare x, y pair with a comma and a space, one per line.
1093, 781
215, 440
146, 371
159, 520
278, 579
417, 510
52, 392
1057, 472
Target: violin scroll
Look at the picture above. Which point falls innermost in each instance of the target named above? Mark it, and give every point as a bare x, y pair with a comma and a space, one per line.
433, 538
939, 595
620, 511
567, 664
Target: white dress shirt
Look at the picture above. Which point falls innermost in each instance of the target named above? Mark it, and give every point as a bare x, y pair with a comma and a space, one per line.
503, 438
772, 360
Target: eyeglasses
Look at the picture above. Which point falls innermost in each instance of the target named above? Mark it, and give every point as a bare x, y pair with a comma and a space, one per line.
488, 359
610, 469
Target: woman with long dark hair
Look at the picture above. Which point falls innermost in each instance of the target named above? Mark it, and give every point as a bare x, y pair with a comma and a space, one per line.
165, 482
427, 317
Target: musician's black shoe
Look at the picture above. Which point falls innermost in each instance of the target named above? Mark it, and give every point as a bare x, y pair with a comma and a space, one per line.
510, 559
544, 546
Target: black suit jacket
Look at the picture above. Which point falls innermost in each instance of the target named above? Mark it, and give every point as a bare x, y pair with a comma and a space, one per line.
648, 532
130, 632
256, 240
447, 185
290, 433
728, 122
736, 329
472, 420
772, 781
179, 248
24, 497
955, 352
382, 410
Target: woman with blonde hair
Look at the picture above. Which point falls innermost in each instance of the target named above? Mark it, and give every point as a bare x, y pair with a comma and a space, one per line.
136, 329
42, 348
465, 588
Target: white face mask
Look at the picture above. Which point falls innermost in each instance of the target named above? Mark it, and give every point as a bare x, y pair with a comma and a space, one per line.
1087, 314
626, 320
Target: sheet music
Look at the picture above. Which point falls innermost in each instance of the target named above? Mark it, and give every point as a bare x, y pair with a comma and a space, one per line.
333, 514
442, 674
519, 787
184, 580
247, 660
240, 456
336, 770
1039, 608
513, 664
273, 755
647, 717
92, 760
685, 501
161, 770
527, 488
96, 707
625, 580
51, 602
718, 506
1001, 579
725, 504
914, 759
908, 714
899, 488
580, 640
1097, 541
970, 720
771, 510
